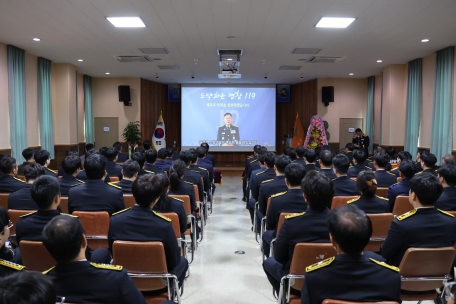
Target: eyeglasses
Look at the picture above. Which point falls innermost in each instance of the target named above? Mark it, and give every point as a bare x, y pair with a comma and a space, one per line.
10, 224
449, 290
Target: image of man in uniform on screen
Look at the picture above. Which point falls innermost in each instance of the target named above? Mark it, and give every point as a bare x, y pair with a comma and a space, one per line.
228, 134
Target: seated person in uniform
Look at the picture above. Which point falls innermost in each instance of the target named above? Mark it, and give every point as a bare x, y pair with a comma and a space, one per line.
447, 177
95, 194
343, 185
2, 156
349, 148
310, 157
403, 155
120, 156
112, 168
68, 152
291, 200
178, 186
317, 159
203, 163
308, 227
326, 158
161, 161
291, 152
428, 161
7, 253
350, 276
70, 166
130, 169
29, 287
407, 171
46, 196
28, 156
300, 155
269, 159
190, 177
140, 149
141, 224
358, 159
447, 160
419, 156
209, 157
202, 172
88, 147
147, 144
175, 148
383, 177
9, 183
424, 226
103, 151
43, 158
368, 201
151, 158
140, 158
22, 198
169, 157
390, 152
77, 279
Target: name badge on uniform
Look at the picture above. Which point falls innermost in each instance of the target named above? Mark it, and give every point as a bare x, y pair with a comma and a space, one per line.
233, 131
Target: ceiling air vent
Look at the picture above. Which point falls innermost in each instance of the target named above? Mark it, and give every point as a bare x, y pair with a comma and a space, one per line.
154, 50
168, 67
305, 51
290, 67
325, 59
133, 58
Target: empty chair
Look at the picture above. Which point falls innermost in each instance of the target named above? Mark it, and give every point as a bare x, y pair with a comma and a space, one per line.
129, 200
113, 179
96, 227
402, 205
176, 227
381, 223
341, 200
4, 200
381, 191
35, 256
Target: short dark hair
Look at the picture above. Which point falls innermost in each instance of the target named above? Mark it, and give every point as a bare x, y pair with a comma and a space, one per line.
358, 130
70, 164
292, 153
363, 179
294, 173
341, 163
27, 287
421, 152
426, 187
326, 147
448, 159
269, 159
429, 160
147, 144
32, 171
44, 189
448, 173
194, 155
360, 156
130, 167
4, 218
227, 113
174, 147
201, 152
140, 149
206, 145
2, 156
326, 158
28, 153
117, 145
8, 164
170, 152
41, 156
177, 169
91, 152
319, 190
281, 162
162, 153
111, 154
310, 155
262, 157
350, 147
89, 147
300, 151
350, 228
146, 189
104, 151
186, 157
95, 166
404, 155
151, 156
140, 158
62, 236
390, 151
407, 168
381, 160
256, 148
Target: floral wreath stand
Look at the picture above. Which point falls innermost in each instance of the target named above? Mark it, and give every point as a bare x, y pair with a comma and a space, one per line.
316, 134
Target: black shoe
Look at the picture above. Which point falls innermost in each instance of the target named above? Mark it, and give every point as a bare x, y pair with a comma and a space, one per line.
244, 199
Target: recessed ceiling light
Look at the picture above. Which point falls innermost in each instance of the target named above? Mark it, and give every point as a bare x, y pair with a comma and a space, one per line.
108, 73
36, 39
379, 60
80, 60
351, 74
425, 40
332, 22
229, 59
126, 21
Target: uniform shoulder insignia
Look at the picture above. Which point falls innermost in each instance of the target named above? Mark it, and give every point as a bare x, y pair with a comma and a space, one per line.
406, 215
248, 157
196, 171
253, 161
235, 126
114, 182
334, 179
418, 172
52, 171
385, 265
188, 182
294, 215
278, 194
80, 181
435, 171
221, 126
76, 184
446, 213
47, 271
260, 172
395, 169
106, 266
391, 173
120, 211
110, 184
68, 215
177, 199
18, 179
294, 160
268, 180
353, 200
383, 198
149, 171
202, 168
394, 184
163, 217
368, 167
11, 265
352, 179
321, 264
22, 216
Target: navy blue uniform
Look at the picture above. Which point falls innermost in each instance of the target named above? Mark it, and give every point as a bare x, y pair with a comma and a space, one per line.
169, 161
185, 188
202, 164
95, 195
419, 228
373, 204
351, 278
396, 172
259, 178
7, 268
268, 188
418, 167
228, 135
121, 158
114, 169
153, 168
195, 179
66, 182
447, 201
354, 171
309, 227
11, 254
175, 156
50, 172
350, 157
385, 178
345, 186
202, 173
300, 160
10, 184
310, 167
22, 199
162, 165
329, 173
20, 168
211, 158
85, 282
176, 206
125, 185
362, 142
145, 225
395, 190
430, 171
82, 176
60, 172
248, 171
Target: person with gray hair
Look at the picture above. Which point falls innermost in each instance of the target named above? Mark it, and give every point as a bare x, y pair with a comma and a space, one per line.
447, 160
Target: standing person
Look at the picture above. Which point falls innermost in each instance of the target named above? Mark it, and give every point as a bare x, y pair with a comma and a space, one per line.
28, 155
228, 134
361, 141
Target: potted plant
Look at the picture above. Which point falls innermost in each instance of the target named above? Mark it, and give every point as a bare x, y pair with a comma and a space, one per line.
132, 135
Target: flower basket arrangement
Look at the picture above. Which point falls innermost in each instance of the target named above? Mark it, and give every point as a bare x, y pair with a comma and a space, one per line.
316, 133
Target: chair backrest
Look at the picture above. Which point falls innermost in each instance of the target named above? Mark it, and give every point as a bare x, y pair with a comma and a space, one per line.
35, 256
82, 165
15, 216
399, 179
331, 301
96, 227
306, 254
339, 201
186, 199
21, 177
4, 200
382, 191
267, 206
64, 204
425, 263
381, 223
202, 181
129, 200
451, 212
282, 219
394, 165
402, 205
142, 258
113, 179
197, 197
174, 220
166, 172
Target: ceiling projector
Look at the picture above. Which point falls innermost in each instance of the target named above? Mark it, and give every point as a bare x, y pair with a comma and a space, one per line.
230, 61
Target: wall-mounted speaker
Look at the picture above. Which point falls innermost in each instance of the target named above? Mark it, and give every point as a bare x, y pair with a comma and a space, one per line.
327, 95
124, 94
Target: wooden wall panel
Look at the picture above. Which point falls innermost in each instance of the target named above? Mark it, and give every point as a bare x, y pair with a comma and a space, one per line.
59, 154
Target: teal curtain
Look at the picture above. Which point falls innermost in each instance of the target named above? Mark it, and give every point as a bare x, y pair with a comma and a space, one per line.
45, 106
370, 112
381, 116
413, 108
88, 110
17, 102
442, 111
77, 112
